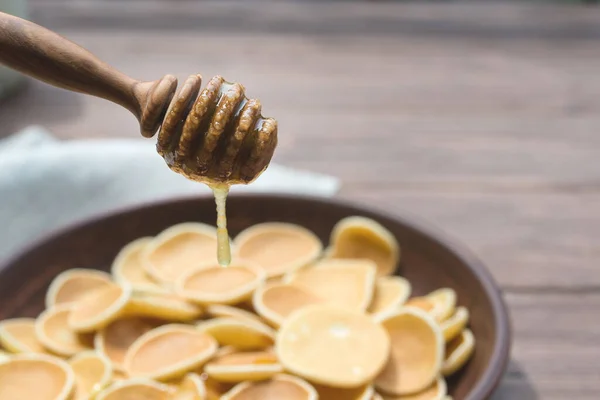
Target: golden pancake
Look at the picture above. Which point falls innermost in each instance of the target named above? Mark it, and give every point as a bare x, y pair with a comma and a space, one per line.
165, 306
178, 249
444, 301
93, 373
18, 335
411, 368
191, 387
390, 293
332, 393
129, 267
360, 237
436, 391
345, 283
278, 247
168, 352
72, 285
36, 376
220, 310
53, 331
214, 284
332, 346
277, 388
99, 308
115, 339
136, 389
276, 301
239, 333
458, 352
453, 326
243, 366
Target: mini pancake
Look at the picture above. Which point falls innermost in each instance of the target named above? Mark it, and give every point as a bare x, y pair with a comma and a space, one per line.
444, 301
279, 387
136, 389
453, 326
114, 340
332, 346
239, 333
191, 387
221, 310
276, 301
345, 283
359, 237
168, 352
18, 335
243, 366
365, 392
411, 368
54, 333
278, 247
458, 352
72, 285
93, 373
390, 293
128, 267
178, 249
99, 308
165, 306
436, 391
213, 284
36, 376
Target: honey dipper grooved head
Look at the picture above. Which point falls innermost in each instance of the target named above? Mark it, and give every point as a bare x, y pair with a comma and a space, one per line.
154, 98
218, 135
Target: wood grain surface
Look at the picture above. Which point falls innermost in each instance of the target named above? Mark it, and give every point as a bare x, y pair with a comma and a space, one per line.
480, 117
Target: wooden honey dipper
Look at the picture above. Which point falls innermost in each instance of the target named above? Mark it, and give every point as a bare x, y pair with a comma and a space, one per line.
216, 136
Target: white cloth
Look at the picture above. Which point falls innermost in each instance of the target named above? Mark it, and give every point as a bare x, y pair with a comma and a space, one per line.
46, 183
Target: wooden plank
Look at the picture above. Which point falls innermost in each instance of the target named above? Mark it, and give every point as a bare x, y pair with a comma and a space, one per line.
556, 355
495, 19
529, 241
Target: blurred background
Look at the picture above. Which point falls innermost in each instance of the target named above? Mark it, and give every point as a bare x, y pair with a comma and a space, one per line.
482, 117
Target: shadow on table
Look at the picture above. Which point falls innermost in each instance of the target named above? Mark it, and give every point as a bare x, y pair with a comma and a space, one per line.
515, 385
37, 104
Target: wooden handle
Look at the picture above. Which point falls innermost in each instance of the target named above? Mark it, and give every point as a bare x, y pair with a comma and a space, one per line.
49, 57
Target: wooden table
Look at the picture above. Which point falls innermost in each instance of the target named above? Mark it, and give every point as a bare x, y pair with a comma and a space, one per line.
483, 118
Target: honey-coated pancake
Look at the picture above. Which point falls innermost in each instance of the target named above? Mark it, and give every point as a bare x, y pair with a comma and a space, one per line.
278, 247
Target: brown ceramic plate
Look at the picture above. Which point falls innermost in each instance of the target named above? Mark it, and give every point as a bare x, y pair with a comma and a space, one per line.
429, 261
